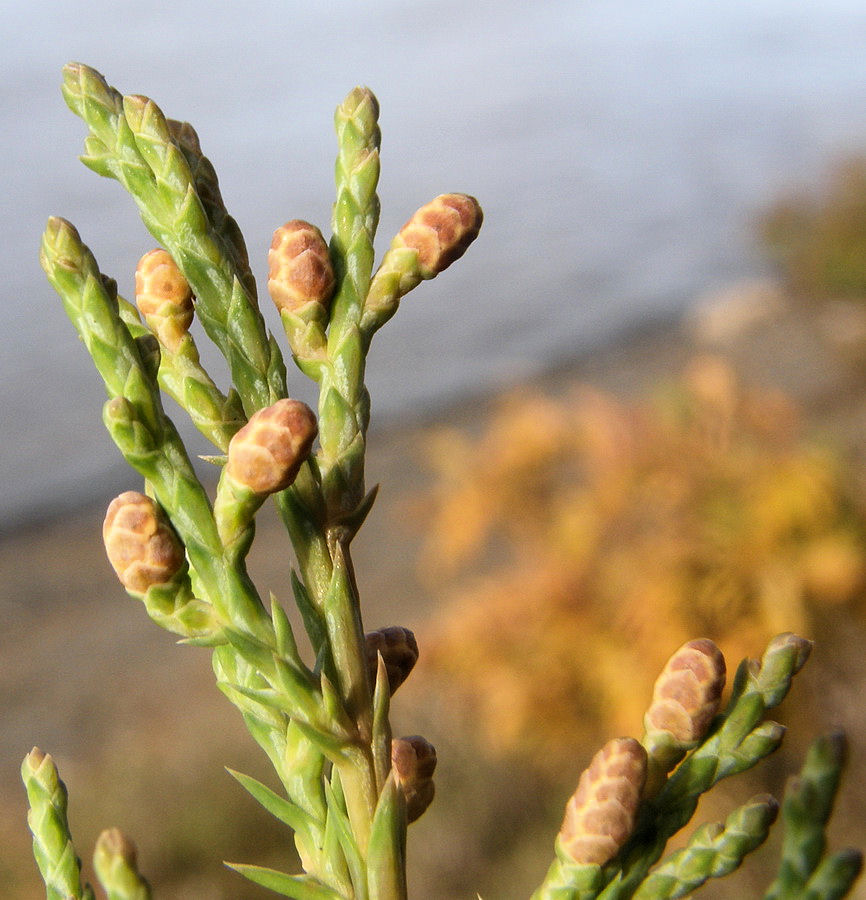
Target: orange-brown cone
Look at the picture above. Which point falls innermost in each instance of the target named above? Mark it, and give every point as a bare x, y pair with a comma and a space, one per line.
441, 231
141, 544
163, 296
687, 694
266, 454
600, 816
299, 267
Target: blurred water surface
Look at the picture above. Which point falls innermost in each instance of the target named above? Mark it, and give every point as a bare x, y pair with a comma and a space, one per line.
619, 147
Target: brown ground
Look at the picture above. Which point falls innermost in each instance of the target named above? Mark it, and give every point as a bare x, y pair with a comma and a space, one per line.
140, 732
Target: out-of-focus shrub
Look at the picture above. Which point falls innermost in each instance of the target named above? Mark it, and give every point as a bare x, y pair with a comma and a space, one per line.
575, 541
819, 242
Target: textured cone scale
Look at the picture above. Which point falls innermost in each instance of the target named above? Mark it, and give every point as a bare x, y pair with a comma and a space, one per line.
600, 816
399, 651
441, 231
687, 694
184, 135
141, 545
36, 757
163, 296
413, 760
299, 267
267, 452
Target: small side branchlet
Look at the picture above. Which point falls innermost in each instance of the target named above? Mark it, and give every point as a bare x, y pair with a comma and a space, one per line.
149, 559
805, 868
115, 862
437, 234
301, 282
713, 851
440, 232
59, 864
264, 457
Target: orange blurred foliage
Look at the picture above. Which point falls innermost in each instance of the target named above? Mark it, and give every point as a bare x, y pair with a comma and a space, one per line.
579, 540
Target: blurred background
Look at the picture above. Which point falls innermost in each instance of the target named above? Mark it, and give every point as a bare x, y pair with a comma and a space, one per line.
634, 414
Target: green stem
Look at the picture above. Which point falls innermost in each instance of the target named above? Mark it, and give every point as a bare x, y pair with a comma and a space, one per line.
132, 142
344, 406
53, 849
139, 426
346, 638
182, 376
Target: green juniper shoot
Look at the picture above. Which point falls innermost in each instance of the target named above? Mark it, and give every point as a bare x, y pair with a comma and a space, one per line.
347, 789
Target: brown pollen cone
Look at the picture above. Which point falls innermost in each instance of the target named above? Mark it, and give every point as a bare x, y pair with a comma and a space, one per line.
441, 231
266, 454
141, 545
413, 761
399, 651
299, 267
688, 692
600, 816
163, 296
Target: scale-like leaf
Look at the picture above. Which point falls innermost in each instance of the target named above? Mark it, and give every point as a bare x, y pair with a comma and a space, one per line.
298, 887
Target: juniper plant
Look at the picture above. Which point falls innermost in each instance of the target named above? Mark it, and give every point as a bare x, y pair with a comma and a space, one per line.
347, 789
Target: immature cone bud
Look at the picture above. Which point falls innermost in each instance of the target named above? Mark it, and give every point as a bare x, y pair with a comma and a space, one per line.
35, 758
360, 101
164, 297
399, 652
266, 454
116, 865
114, 844
141, 544
299, 267
413, 761
441, 231
600, 816
687, 694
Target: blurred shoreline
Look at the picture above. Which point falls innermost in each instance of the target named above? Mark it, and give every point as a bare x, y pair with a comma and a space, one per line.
613, 187
642, 340
815, 353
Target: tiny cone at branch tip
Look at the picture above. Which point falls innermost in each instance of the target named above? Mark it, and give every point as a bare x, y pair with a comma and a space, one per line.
399, 651
115, 861
112, 842
688, 692
163, 296
441, 231
141, 545
299, 267
35, 757
600, 816
787, 642
357, 98
413, 762
266, 454
40, 765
